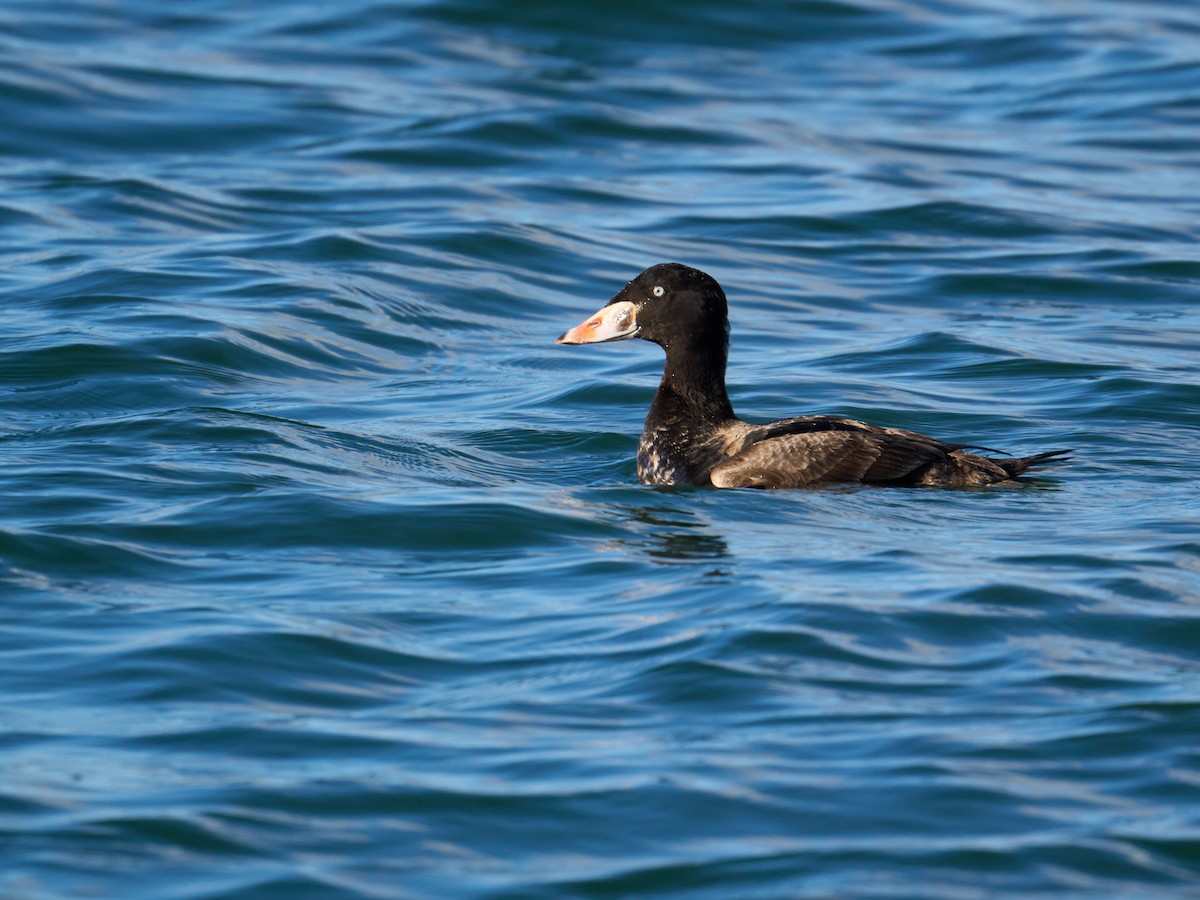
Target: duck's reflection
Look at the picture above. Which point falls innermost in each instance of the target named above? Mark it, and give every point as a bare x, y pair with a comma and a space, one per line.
667, 534
651, 525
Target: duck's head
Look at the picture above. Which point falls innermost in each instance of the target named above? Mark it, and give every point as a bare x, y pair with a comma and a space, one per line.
668, 304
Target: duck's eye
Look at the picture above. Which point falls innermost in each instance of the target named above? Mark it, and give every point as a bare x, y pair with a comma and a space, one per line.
658, 290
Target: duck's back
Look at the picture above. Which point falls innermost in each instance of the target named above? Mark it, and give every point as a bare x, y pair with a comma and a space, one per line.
809, 450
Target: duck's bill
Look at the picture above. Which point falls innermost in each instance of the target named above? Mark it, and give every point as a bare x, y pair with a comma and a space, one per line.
613, 323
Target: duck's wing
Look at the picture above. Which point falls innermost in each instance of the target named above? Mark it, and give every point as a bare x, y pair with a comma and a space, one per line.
821, 449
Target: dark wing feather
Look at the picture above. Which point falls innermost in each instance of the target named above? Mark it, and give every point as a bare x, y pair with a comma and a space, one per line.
842, 450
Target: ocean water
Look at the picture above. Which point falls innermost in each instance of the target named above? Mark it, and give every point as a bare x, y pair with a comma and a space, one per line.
325, 573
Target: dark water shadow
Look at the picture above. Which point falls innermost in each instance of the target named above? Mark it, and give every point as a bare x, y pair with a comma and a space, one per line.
669, 535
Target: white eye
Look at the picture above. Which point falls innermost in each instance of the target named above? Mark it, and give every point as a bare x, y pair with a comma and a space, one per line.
658, 291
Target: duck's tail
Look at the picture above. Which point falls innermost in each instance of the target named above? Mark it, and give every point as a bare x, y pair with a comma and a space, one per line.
1023, 464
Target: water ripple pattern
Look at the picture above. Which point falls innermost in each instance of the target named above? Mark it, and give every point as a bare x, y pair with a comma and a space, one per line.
325, 573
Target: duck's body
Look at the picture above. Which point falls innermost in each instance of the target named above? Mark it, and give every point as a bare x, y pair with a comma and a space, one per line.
692, 436
808, 450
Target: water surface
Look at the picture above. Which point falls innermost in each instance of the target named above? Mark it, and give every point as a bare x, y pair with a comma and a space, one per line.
326, 573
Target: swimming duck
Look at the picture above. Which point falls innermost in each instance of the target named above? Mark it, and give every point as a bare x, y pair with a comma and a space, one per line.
692, 436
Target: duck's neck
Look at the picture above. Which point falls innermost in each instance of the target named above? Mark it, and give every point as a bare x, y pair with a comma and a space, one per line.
693, 391
680, 439
693, 384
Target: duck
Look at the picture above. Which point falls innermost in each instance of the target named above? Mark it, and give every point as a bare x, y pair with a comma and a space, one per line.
692, 436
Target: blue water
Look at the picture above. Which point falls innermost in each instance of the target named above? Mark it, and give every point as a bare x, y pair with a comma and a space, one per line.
325, 573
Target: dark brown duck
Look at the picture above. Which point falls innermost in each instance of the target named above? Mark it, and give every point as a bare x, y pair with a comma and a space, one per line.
692, 436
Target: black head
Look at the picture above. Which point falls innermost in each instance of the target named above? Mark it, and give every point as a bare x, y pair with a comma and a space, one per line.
670, 304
